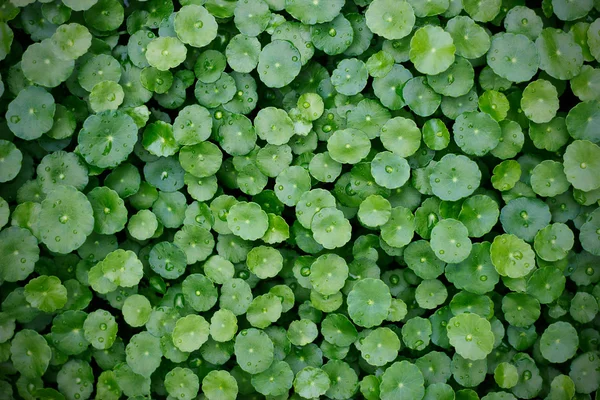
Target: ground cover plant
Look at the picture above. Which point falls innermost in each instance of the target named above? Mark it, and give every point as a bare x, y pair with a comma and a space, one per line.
299, 199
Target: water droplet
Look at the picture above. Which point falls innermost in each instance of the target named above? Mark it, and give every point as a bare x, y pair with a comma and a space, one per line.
243, 275
349, 190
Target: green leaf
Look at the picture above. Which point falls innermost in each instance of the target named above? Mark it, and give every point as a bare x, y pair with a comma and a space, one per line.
190, 333
279, 63
123, 268
471, 336
19, 252
195, 26
31, 113
403, 381
310, 13
391, 20
100, 329
369, 302
30, 354
254, 350
559, 342
512, 256
513, 57
311, 382
219, 385
182, 383
46, 293
432, 50
66, 219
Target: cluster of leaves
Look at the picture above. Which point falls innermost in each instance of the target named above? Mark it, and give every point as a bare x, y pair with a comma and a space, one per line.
298, 199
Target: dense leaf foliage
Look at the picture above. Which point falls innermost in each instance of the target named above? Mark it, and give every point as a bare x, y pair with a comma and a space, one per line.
299, 199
